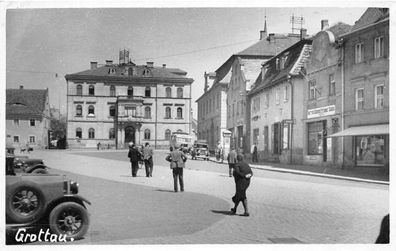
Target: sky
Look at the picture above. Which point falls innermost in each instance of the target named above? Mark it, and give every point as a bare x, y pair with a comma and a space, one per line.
43, 45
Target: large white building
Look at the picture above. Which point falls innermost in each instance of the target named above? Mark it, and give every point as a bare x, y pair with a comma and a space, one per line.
115, 104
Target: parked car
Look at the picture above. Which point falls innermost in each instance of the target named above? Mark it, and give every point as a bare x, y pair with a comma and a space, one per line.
185, 148
24, 164
47, 200
200, 150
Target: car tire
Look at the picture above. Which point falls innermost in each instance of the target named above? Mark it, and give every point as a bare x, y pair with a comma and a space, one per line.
24, 202
40, 171
66, 215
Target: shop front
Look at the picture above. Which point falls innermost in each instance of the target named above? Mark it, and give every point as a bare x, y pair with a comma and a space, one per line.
370, 145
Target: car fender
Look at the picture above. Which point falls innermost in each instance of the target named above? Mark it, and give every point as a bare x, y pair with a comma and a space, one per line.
78, 197
31, 168
67, 198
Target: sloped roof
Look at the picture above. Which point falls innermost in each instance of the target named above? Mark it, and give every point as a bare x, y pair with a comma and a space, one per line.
265, 47
120, 71
370, 16
340, 28
251, 69
296, 55
140, 72
25, 102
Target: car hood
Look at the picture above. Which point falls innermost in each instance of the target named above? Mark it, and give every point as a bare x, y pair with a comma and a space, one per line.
32, 161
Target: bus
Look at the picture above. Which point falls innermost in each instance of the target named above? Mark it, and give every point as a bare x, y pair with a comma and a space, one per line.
181, 140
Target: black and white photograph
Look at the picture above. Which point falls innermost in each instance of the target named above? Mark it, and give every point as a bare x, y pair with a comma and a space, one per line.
260, 125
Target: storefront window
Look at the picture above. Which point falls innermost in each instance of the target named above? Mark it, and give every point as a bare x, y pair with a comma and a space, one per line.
370, 150
315, 138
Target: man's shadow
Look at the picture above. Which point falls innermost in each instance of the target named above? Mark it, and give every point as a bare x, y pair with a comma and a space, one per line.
222, 212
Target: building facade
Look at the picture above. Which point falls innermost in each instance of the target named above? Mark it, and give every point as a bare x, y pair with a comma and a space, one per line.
245, 67
212, 110
275, 106
323, 98
27, 118
115, 104
366, 106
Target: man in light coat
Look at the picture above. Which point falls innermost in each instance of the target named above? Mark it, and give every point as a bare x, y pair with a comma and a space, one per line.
177, 159
148, 159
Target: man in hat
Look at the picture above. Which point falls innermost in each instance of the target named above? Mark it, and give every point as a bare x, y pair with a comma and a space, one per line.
134, 155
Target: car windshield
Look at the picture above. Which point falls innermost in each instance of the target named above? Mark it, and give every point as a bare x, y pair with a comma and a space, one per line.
201, 146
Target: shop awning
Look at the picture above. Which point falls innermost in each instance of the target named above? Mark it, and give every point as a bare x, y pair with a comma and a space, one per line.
363, 130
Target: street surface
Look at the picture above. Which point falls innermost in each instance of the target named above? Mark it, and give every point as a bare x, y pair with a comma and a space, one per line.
284, 207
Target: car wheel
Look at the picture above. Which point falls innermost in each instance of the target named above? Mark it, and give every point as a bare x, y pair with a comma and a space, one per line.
25, 203
40, 171
70, 219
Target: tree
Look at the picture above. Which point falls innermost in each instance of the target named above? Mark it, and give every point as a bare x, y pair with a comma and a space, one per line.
58, 128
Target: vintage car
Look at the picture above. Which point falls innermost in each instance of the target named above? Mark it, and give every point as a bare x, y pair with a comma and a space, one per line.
24, 164
200, 150
46, 200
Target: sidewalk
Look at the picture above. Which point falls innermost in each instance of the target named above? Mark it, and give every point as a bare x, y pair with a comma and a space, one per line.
370, 175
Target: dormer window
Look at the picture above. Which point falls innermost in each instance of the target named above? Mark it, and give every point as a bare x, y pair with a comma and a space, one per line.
264, 70
282, 62
277, 64
113, 71
146, 72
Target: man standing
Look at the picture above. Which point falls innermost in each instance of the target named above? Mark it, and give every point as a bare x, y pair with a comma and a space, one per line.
231, 158
177, 159
254, 154
148, 159
134, 156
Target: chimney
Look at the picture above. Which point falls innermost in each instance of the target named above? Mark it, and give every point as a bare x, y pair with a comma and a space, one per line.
271, 37
303, 33
21, 87
206, 75
109, 62
150, 64
163, 65
123, 56
94, 65
325, 24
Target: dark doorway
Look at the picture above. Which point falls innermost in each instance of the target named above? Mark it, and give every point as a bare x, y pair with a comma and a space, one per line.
129, 134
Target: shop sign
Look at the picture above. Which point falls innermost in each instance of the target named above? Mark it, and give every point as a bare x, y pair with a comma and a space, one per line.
321, 111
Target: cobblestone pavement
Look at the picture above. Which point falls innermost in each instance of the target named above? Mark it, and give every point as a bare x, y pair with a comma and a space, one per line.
307, 212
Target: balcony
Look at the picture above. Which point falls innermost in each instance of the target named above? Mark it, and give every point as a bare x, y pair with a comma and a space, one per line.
129, 118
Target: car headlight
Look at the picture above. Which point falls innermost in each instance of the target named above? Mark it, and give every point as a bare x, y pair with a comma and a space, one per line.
70, 187
73, 187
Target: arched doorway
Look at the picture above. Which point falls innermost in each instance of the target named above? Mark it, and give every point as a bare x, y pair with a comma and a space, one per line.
129, 134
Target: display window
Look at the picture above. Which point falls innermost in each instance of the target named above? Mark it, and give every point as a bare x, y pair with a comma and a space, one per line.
370, 150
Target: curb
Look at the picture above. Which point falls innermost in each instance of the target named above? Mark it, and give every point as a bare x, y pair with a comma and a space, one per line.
330, 176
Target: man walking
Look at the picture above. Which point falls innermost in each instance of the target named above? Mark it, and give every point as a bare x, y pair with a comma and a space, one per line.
134, 155
231, 158
148, 159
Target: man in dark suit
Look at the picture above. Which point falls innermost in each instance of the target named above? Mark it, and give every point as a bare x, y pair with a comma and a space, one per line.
134, 155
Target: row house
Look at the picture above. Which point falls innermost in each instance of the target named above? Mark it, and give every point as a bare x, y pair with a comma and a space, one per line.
212, 109
276, 110
27, 118
115, 104
244, 68
323, 97
365, 125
